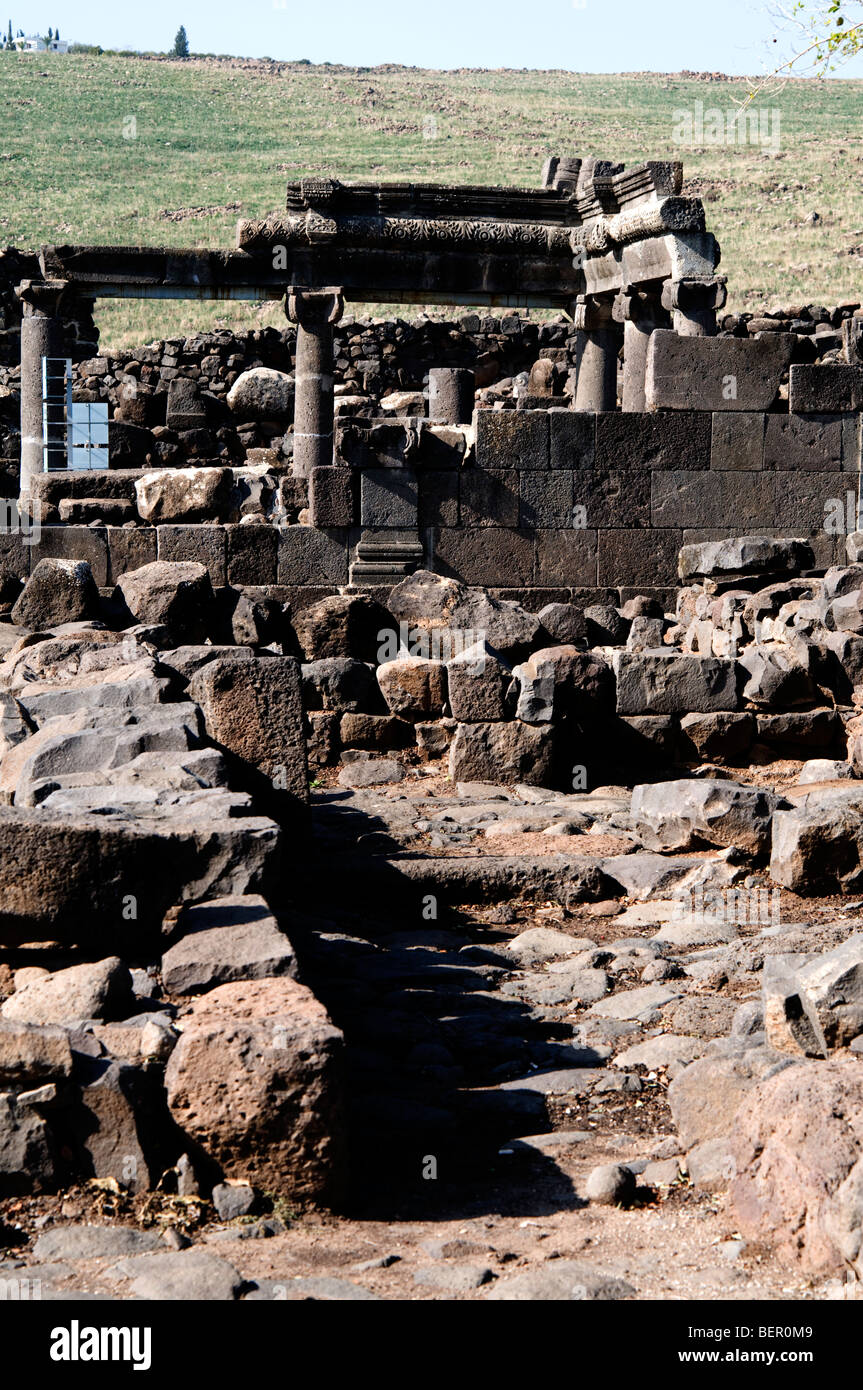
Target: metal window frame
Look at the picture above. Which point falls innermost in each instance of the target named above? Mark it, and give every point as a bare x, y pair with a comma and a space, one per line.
74, 434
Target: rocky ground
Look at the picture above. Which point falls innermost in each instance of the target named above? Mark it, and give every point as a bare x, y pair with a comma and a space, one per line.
458, 1031
505, 1062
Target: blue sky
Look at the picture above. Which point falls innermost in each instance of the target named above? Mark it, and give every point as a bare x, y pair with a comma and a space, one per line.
735, 36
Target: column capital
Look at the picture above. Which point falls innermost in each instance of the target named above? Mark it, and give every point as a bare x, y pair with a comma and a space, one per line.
592, 313
314, 308
635, 304
695, 294
43, 297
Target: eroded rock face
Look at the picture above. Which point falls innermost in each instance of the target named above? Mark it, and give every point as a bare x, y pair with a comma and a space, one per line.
818, 846
58, 591
255, 1080
262, 393
413, 688
184, 494
798, 1146
253, 709
99, 990
508, 752
429, 601
343, 625
178, 594
679, 815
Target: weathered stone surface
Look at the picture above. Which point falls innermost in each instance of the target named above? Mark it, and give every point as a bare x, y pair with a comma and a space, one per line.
695, 373
610, 1185
184, 494
706, 1096
93, 1242
233, 1200
634, 1003
350, 625
100, 990
179, 595
565, 624
678, 815
224, 941
774, 675
744, 555
413, 688
341, 684
58, 591
371, 772
605, 625
255, 1080
31, 1055
254, 709
74, 877
477, 685
430, 602
819, 847
712, 1163
790, 1023
717, 738
825, 388
262, 394
180, 1275
662, 1051
560, 1281
512, 752
644, 875
668, 683
833, 985
377, 732
559, 681
26, 1156
116, 1129
798, 1143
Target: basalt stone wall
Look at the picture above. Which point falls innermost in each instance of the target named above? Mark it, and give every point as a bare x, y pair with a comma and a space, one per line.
585, 503
538, 505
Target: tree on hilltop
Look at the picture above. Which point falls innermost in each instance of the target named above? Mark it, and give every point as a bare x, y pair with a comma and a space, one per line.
181, 44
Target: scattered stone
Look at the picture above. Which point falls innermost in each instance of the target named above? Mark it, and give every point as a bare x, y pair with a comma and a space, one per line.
100, 990
181, 1275
58, 591
560, 1281
178, 595
453, 1278
255, 1081
93, 1242
610, 1185
233, 1200
223, 941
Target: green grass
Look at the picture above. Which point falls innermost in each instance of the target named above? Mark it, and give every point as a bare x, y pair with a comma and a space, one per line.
211, 133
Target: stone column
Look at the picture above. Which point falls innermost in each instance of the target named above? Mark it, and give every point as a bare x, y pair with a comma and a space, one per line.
314, 311
693, 304
640, 312
451, 395
597, 345
41, 336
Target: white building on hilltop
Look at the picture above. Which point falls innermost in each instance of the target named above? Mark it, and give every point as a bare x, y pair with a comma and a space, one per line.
35, 43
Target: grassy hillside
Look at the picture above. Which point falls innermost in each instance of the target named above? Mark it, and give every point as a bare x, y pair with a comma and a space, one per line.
128, 150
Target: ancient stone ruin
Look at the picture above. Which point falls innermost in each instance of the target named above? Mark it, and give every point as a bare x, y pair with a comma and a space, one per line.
433, 745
